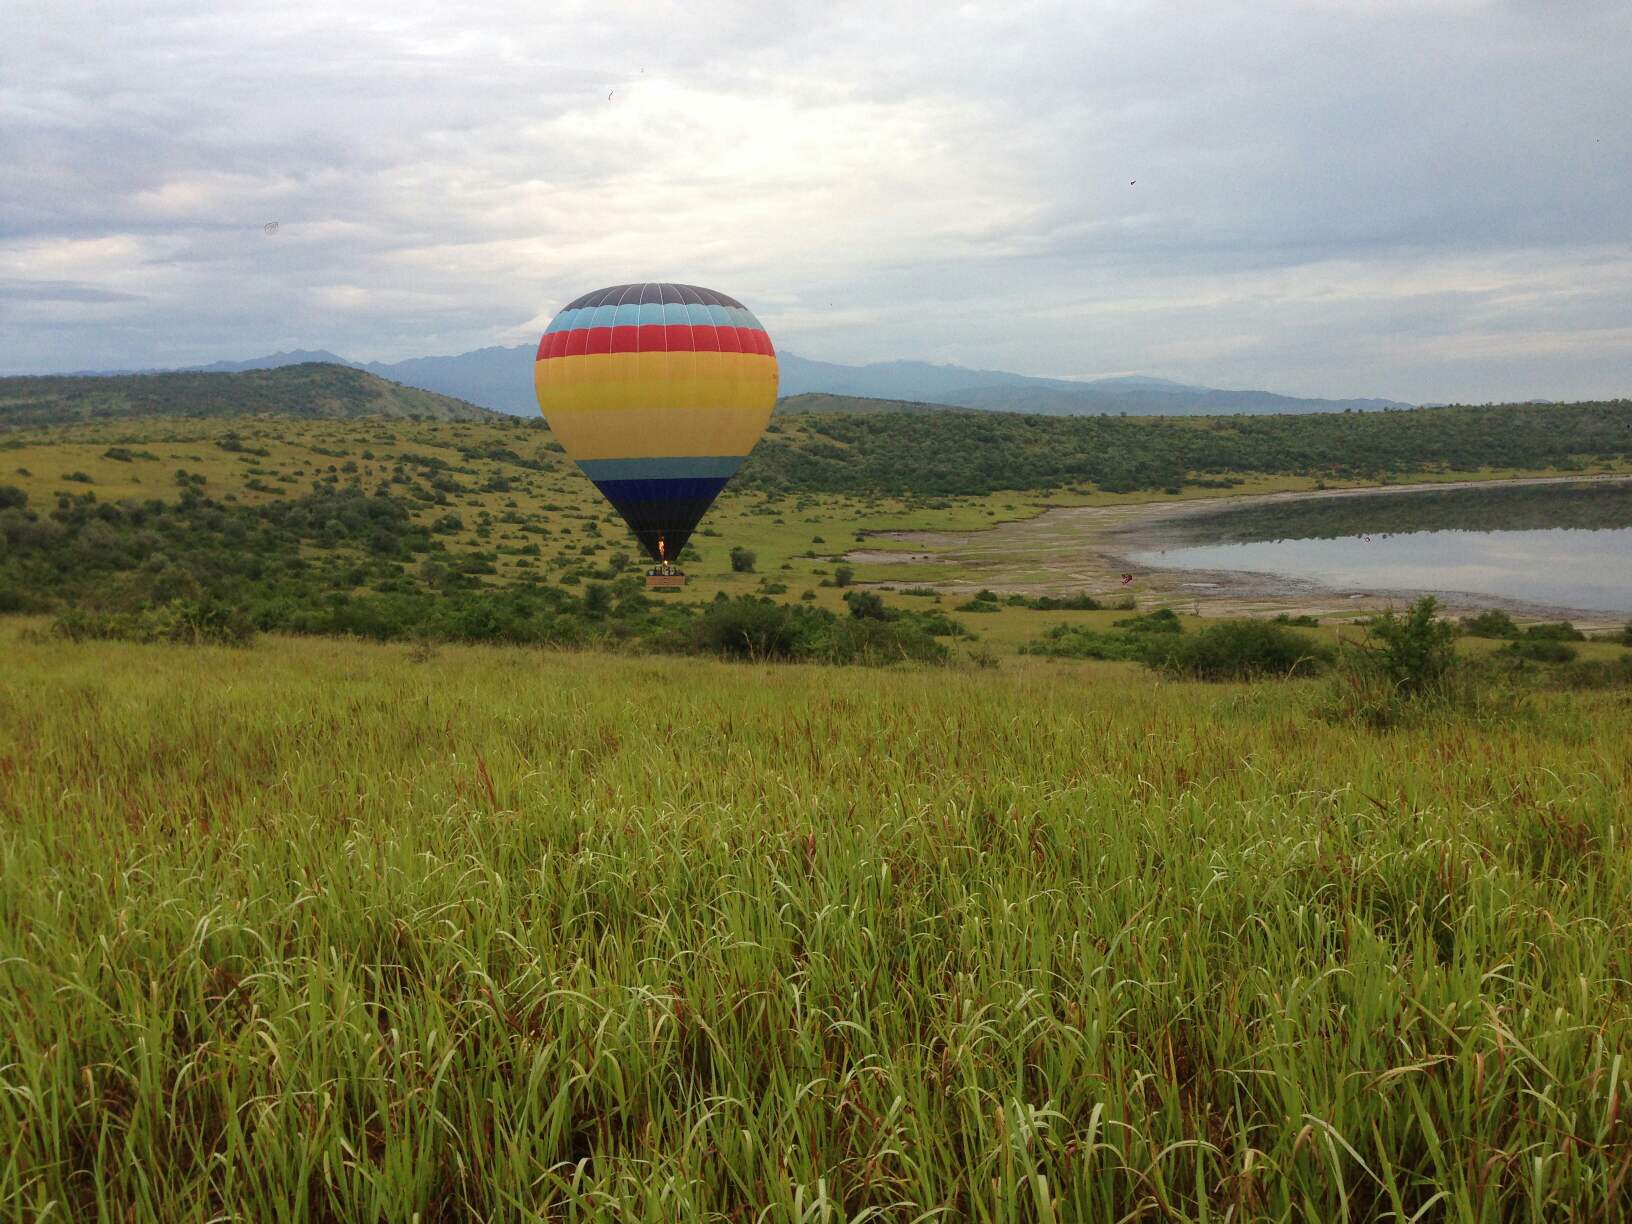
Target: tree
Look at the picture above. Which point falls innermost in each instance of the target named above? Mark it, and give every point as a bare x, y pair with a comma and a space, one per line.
742, 561
843, 576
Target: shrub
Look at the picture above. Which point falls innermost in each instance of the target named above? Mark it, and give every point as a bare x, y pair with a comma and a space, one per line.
1163, 620
742, 561
748, 629
1079, 642
1407, 672
865, 605
13, 498
1235, 650
843, 576
875, 643
1595, 674
1305, 622
983, 656
1492, 624
180, 621
1414, 652
1554, 631
1541, 650
1064, 603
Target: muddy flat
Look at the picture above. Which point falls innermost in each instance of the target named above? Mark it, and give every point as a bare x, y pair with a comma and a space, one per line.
1073, 549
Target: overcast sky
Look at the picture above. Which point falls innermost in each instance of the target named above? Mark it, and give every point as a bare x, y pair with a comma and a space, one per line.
1426, 200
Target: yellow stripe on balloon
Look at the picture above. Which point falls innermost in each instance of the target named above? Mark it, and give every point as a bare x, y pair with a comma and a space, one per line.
651, 432
626, 381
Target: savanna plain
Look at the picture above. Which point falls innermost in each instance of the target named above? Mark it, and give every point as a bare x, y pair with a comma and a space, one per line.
578, 913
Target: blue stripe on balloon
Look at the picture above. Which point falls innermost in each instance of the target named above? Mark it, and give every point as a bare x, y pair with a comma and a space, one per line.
655, 491
679, 467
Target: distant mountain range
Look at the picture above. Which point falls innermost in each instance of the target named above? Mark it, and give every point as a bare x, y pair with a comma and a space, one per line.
501, 378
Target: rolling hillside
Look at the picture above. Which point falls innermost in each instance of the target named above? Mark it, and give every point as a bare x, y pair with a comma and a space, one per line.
862, 405
309, 390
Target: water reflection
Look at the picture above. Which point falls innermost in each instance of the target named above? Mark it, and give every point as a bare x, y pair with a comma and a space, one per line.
1561, 546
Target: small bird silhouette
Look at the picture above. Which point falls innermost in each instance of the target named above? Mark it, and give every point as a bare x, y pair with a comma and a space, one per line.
1131, 182
609, 94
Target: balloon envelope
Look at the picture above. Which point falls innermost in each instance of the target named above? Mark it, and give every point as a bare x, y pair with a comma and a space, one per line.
658, 392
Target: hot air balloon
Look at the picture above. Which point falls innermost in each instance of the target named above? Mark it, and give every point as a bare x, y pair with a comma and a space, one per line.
658, 392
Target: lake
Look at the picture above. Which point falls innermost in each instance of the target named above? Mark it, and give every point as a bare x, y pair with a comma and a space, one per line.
1560, 545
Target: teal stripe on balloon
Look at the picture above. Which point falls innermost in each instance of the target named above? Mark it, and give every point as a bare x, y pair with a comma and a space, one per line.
679, 467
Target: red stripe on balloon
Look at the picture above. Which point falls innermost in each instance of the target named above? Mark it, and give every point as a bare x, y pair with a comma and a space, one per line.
655, 338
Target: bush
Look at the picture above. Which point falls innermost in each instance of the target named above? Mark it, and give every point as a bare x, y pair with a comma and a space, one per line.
742, 561
1541, 650
1554, 631
1407, 672
1078, 642
1235, 650
179, 621
1163, 620
1595, 674
13, 498
760, 630
865, 605
1414, 652
1491, 624
843, 576
748, 629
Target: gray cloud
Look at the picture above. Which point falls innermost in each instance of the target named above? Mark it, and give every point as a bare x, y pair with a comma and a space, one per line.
1418, 199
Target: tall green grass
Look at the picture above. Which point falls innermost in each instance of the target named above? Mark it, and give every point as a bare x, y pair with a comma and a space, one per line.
321, 931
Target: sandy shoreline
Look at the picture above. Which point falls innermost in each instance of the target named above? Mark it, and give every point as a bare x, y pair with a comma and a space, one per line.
1073, 549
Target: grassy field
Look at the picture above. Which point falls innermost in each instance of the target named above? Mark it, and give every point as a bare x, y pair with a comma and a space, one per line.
321, 930
522, 509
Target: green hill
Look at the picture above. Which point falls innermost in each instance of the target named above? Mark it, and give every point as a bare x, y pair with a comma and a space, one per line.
311, 391
821, 401
975, 453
